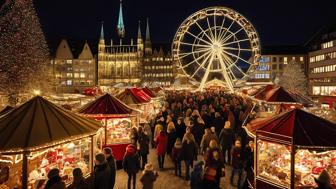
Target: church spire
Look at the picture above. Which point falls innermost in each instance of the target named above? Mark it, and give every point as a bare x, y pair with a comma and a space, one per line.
102, 31
139, 31
121, 26
147, 32
148, 43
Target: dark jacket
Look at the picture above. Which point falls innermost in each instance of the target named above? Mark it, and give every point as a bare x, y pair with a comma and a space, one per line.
180, 130
55, 183
171, 140
218, 123
198, 131
196, 177
189, 151
102, 176
143, 143
226, 138
177, 153
131, 162
147, 179
236, 154
112, 164
80, 184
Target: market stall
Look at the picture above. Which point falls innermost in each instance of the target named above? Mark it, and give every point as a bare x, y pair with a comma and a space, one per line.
117, 119
38, 136
6, 110
137, 99
293, 148
158, 100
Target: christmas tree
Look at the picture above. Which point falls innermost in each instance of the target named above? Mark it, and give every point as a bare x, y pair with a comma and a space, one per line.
293, 78
24, 53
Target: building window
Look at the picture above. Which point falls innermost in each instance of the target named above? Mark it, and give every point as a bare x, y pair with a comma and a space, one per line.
301, 58
69, 61
274, 67
69, 82
327, 44
76, 75
274, 59
285, 60
82, 75
69, 74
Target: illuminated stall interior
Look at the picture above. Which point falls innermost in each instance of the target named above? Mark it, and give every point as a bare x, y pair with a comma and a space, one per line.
39, 136
117, 119
293, 148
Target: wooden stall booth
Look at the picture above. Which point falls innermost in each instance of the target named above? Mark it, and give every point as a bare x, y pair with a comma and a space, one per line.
117, 119
39, 136
292, 149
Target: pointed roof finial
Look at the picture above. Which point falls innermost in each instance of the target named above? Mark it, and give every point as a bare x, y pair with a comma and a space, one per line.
139, 31
121, 26
102, 31
147, 31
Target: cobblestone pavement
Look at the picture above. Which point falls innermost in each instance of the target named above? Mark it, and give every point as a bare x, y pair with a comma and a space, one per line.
167, 179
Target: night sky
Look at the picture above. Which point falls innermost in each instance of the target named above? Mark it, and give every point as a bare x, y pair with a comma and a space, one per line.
278, 22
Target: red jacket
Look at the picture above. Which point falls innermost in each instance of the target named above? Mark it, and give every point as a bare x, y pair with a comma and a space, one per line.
161, 143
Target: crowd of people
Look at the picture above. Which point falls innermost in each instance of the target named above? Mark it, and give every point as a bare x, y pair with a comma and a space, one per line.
203, 131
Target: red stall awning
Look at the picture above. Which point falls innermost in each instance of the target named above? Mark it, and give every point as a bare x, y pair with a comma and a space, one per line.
149, 92
299, 128
106, 105
133, 96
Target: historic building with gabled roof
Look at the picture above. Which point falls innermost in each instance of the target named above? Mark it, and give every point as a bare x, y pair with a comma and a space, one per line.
73, 73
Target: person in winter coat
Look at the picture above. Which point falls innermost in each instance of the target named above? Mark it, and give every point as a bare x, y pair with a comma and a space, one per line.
54, 180
177, 156
226, 139
148, 131
214, 168
102, 173
189, 153
198, 130
79, 181
134, 135
157, 130
112, 164
207, 137
131, 164
148, 177
323, 181
171, 133
143, 141
237, 163
180, 128
197, 176
161, 148
218, 122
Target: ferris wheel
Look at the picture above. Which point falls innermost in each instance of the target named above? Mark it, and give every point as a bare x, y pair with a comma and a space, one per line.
216, 43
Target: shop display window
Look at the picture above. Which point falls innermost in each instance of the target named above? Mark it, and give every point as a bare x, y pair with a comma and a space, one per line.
310, 163
65, 157
117, 130
273, 162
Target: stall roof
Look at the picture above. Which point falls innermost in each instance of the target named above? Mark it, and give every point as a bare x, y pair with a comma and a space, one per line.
300, 127
129, 96
6, 110
141, 94
106, 104
149, 92
275, 94
39, 123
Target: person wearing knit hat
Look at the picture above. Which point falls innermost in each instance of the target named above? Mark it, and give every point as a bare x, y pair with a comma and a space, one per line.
148, 177
112, 164
102, 173
131, 164
323, 181
55, 181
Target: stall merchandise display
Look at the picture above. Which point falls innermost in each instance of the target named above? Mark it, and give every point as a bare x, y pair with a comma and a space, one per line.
118, 131
66, 157
274, 164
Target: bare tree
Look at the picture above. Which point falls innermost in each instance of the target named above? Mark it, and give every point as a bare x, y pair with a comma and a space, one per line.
293, 78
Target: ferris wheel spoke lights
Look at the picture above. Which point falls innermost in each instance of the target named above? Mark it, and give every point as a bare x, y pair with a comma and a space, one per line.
216, 42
